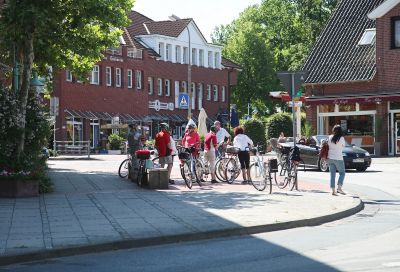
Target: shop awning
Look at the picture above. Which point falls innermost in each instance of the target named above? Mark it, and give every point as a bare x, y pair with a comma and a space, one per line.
351, 99
124, 117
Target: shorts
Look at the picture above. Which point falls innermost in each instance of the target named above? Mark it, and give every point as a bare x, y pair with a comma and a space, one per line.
244, 159
209, 156
165, 160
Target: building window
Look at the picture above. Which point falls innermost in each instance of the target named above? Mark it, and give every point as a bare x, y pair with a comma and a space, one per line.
138, 79
223, 94
368, 37
95, 75
117, 77
150, 84
168, 52
208, 92
68, 76
200, 95
178, 54
216, 60
114, 51
201, 57
210, 59
167, 87
396, 32
215, 93
161, 50
159, 86
194, 56
74, 130
184, 87
135, 53
130, 79
108, 76
185, 55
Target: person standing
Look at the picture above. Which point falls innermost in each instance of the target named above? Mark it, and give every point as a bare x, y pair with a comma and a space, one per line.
243, 142
221, 134
134, 144
282, 138
336, 144
163, 145
210, 144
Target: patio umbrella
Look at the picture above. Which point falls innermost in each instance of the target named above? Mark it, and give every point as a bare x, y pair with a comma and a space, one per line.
202, 123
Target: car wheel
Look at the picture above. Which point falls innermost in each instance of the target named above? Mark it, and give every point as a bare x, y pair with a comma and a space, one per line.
323, 165
361, 169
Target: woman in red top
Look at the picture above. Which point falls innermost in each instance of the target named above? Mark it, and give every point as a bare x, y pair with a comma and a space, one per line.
191, 138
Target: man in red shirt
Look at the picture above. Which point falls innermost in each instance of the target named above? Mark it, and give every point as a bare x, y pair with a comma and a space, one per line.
210, 144
163, 145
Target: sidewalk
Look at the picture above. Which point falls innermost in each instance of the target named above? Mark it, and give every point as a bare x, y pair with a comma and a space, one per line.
92, 209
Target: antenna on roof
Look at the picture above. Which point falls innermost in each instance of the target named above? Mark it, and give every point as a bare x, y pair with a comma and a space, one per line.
173, 17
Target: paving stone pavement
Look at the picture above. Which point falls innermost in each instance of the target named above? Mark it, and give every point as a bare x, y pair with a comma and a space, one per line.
92, 206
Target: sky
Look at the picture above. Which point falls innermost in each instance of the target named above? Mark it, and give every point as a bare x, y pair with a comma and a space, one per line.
207, 14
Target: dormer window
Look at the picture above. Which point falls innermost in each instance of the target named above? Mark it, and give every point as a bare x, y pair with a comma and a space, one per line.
396, 32
368, 37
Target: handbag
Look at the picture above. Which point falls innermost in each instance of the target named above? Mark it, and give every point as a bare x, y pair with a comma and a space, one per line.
323, 153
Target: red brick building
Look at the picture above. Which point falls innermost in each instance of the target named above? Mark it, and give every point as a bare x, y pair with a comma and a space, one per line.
354, 75
141, 81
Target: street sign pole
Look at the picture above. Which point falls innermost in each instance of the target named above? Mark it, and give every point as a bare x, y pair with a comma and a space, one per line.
292, 91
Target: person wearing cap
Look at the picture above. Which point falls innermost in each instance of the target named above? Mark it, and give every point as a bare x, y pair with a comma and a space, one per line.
221, 134
163, 145
191, 139
210, 144
134, 143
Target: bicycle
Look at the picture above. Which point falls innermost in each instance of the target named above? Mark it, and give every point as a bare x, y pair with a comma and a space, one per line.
261, 172
190, 166
289, 166
125, 166
142, 156
232, 166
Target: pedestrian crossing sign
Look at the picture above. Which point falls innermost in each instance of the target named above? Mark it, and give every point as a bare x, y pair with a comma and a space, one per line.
183, 101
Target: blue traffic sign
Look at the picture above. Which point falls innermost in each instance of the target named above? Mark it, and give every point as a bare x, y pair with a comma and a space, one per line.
183, 101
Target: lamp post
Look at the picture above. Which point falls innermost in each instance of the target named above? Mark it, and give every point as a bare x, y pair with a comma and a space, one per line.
189, 78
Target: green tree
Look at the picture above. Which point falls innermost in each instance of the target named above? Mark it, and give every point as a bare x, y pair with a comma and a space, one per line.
277, 123
60, 34
255, 130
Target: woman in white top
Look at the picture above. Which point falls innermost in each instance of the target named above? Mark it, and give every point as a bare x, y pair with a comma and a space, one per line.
336, 144
243, 142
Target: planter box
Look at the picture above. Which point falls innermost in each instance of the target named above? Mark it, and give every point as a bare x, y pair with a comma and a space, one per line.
157, 178
114, 152
19, 188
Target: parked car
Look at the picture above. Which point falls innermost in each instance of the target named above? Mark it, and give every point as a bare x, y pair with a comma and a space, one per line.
354, 157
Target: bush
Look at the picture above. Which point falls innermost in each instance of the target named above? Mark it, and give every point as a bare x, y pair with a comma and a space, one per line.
255, 129
115, 141
277, 123
31, 162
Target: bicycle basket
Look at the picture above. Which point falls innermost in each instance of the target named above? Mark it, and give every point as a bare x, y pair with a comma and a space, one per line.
143, 154
273, 165
284, 150
232, 150
184, 156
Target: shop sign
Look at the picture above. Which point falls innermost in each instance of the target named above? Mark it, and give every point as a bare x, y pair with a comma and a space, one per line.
157, 105
113, 126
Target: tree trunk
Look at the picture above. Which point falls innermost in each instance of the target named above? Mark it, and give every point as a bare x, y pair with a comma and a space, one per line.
27, 57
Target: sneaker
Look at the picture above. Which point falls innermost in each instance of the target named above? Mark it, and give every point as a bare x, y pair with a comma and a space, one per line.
334, 193
340, 191
171, 181
214, 181
244, 182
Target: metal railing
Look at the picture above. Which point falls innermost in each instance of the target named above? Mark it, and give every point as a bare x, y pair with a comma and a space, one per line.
72, 148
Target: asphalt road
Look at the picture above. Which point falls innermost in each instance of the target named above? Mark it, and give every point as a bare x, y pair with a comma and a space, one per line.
367, 241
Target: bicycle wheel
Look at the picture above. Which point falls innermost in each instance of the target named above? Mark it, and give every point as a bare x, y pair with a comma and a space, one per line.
220, 169
123, 169
187, 174
257, 177
293, 174
198, 170
140, 173
231, 170
280, 181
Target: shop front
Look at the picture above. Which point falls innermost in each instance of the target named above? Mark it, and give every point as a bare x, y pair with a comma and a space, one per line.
394, 128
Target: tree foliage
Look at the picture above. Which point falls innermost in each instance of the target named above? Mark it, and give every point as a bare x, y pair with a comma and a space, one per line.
60, 34
255, 130
273, 36
277, 123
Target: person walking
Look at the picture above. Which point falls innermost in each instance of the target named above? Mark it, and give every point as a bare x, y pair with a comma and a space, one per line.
163, 145
210, 144
243, 142
336, 144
